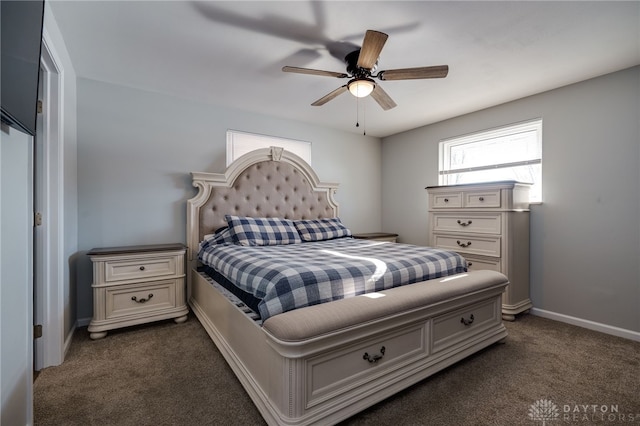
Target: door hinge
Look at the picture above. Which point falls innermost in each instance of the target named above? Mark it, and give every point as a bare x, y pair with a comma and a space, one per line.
37, 219
37, 331
39, 106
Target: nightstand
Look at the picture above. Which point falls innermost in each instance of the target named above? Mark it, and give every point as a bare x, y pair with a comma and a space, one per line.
377, 236
136, 285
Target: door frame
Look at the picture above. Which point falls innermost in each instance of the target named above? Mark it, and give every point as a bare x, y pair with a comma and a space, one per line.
49, 283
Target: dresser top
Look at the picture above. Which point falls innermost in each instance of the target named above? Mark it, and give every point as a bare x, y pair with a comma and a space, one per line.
509, 183
136, 249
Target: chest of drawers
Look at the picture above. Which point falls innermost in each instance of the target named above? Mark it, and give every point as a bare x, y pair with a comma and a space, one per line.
137, 284
488, 224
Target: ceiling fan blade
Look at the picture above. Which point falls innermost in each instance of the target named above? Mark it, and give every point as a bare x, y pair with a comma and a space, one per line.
382, 98
439, 71
323, 100
314, 72
371, 47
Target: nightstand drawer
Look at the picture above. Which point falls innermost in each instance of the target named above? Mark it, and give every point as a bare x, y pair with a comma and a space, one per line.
484, 246
489, 223
456, 327
127, 300
130, 269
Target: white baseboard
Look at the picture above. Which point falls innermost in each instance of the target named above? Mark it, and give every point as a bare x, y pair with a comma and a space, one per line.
67, 342
591, 325
83, 322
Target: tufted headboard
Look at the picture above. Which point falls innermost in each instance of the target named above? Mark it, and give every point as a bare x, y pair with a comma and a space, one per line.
269, 182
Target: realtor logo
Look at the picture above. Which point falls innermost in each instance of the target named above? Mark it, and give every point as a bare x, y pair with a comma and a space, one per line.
544, 410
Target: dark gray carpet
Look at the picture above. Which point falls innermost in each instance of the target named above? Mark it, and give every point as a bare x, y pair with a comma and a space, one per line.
172, 374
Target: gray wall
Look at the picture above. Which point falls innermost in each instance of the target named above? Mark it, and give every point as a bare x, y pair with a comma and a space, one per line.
585, 236
136, 150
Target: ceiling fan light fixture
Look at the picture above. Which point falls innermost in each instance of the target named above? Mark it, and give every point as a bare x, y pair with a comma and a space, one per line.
362, 87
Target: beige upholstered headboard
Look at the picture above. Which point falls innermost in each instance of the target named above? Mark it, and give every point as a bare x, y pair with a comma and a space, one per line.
269, 182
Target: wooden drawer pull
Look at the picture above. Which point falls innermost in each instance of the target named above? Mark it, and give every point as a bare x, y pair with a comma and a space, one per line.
467, 244
481, 198
446, 200
467, 223
467, 321
135, 299
142, 268
375, 358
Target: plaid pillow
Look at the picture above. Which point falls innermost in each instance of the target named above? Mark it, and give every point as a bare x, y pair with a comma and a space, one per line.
321, 229
262, 231
221, 236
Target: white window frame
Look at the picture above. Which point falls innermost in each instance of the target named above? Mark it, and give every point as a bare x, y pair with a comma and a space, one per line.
240, 143
445, 171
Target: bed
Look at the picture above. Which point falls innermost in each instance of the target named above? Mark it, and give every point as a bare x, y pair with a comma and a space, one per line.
320, 363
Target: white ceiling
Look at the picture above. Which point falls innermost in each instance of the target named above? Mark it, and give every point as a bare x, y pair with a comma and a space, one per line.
231, 53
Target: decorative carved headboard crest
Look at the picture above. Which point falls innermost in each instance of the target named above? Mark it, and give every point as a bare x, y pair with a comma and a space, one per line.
276, 153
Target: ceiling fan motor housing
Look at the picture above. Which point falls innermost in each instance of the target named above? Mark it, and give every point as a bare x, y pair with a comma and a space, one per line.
352, 68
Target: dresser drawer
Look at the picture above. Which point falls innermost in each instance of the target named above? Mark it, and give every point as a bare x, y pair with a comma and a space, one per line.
447, 200
480, 264
488, 223
128, 300
337, 373
490, 198
141, 268
484, 246
455, 327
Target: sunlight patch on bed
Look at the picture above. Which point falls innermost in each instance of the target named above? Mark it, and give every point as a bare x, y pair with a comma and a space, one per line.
373, 295
453, 277
381, 267
377, 243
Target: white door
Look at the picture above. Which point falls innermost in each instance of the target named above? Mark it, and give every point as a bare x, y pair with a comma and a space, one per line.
16, 277
39, 230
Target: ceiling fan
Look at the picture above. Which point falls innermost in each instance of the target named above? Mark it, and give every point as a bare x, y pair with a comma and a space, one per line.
361, 68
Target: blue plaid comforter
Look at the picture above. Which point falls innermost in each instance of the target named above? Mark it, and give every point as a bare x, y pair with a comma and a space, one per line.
286, 277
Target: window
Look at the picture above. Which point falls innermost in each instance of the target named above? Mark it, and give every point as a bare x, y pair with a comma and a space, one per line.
508, 153
239, 143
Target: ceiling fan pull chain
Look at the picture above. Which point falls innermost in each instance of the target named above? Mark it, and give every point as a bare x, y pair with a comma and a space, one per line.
364, 116
364, 119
